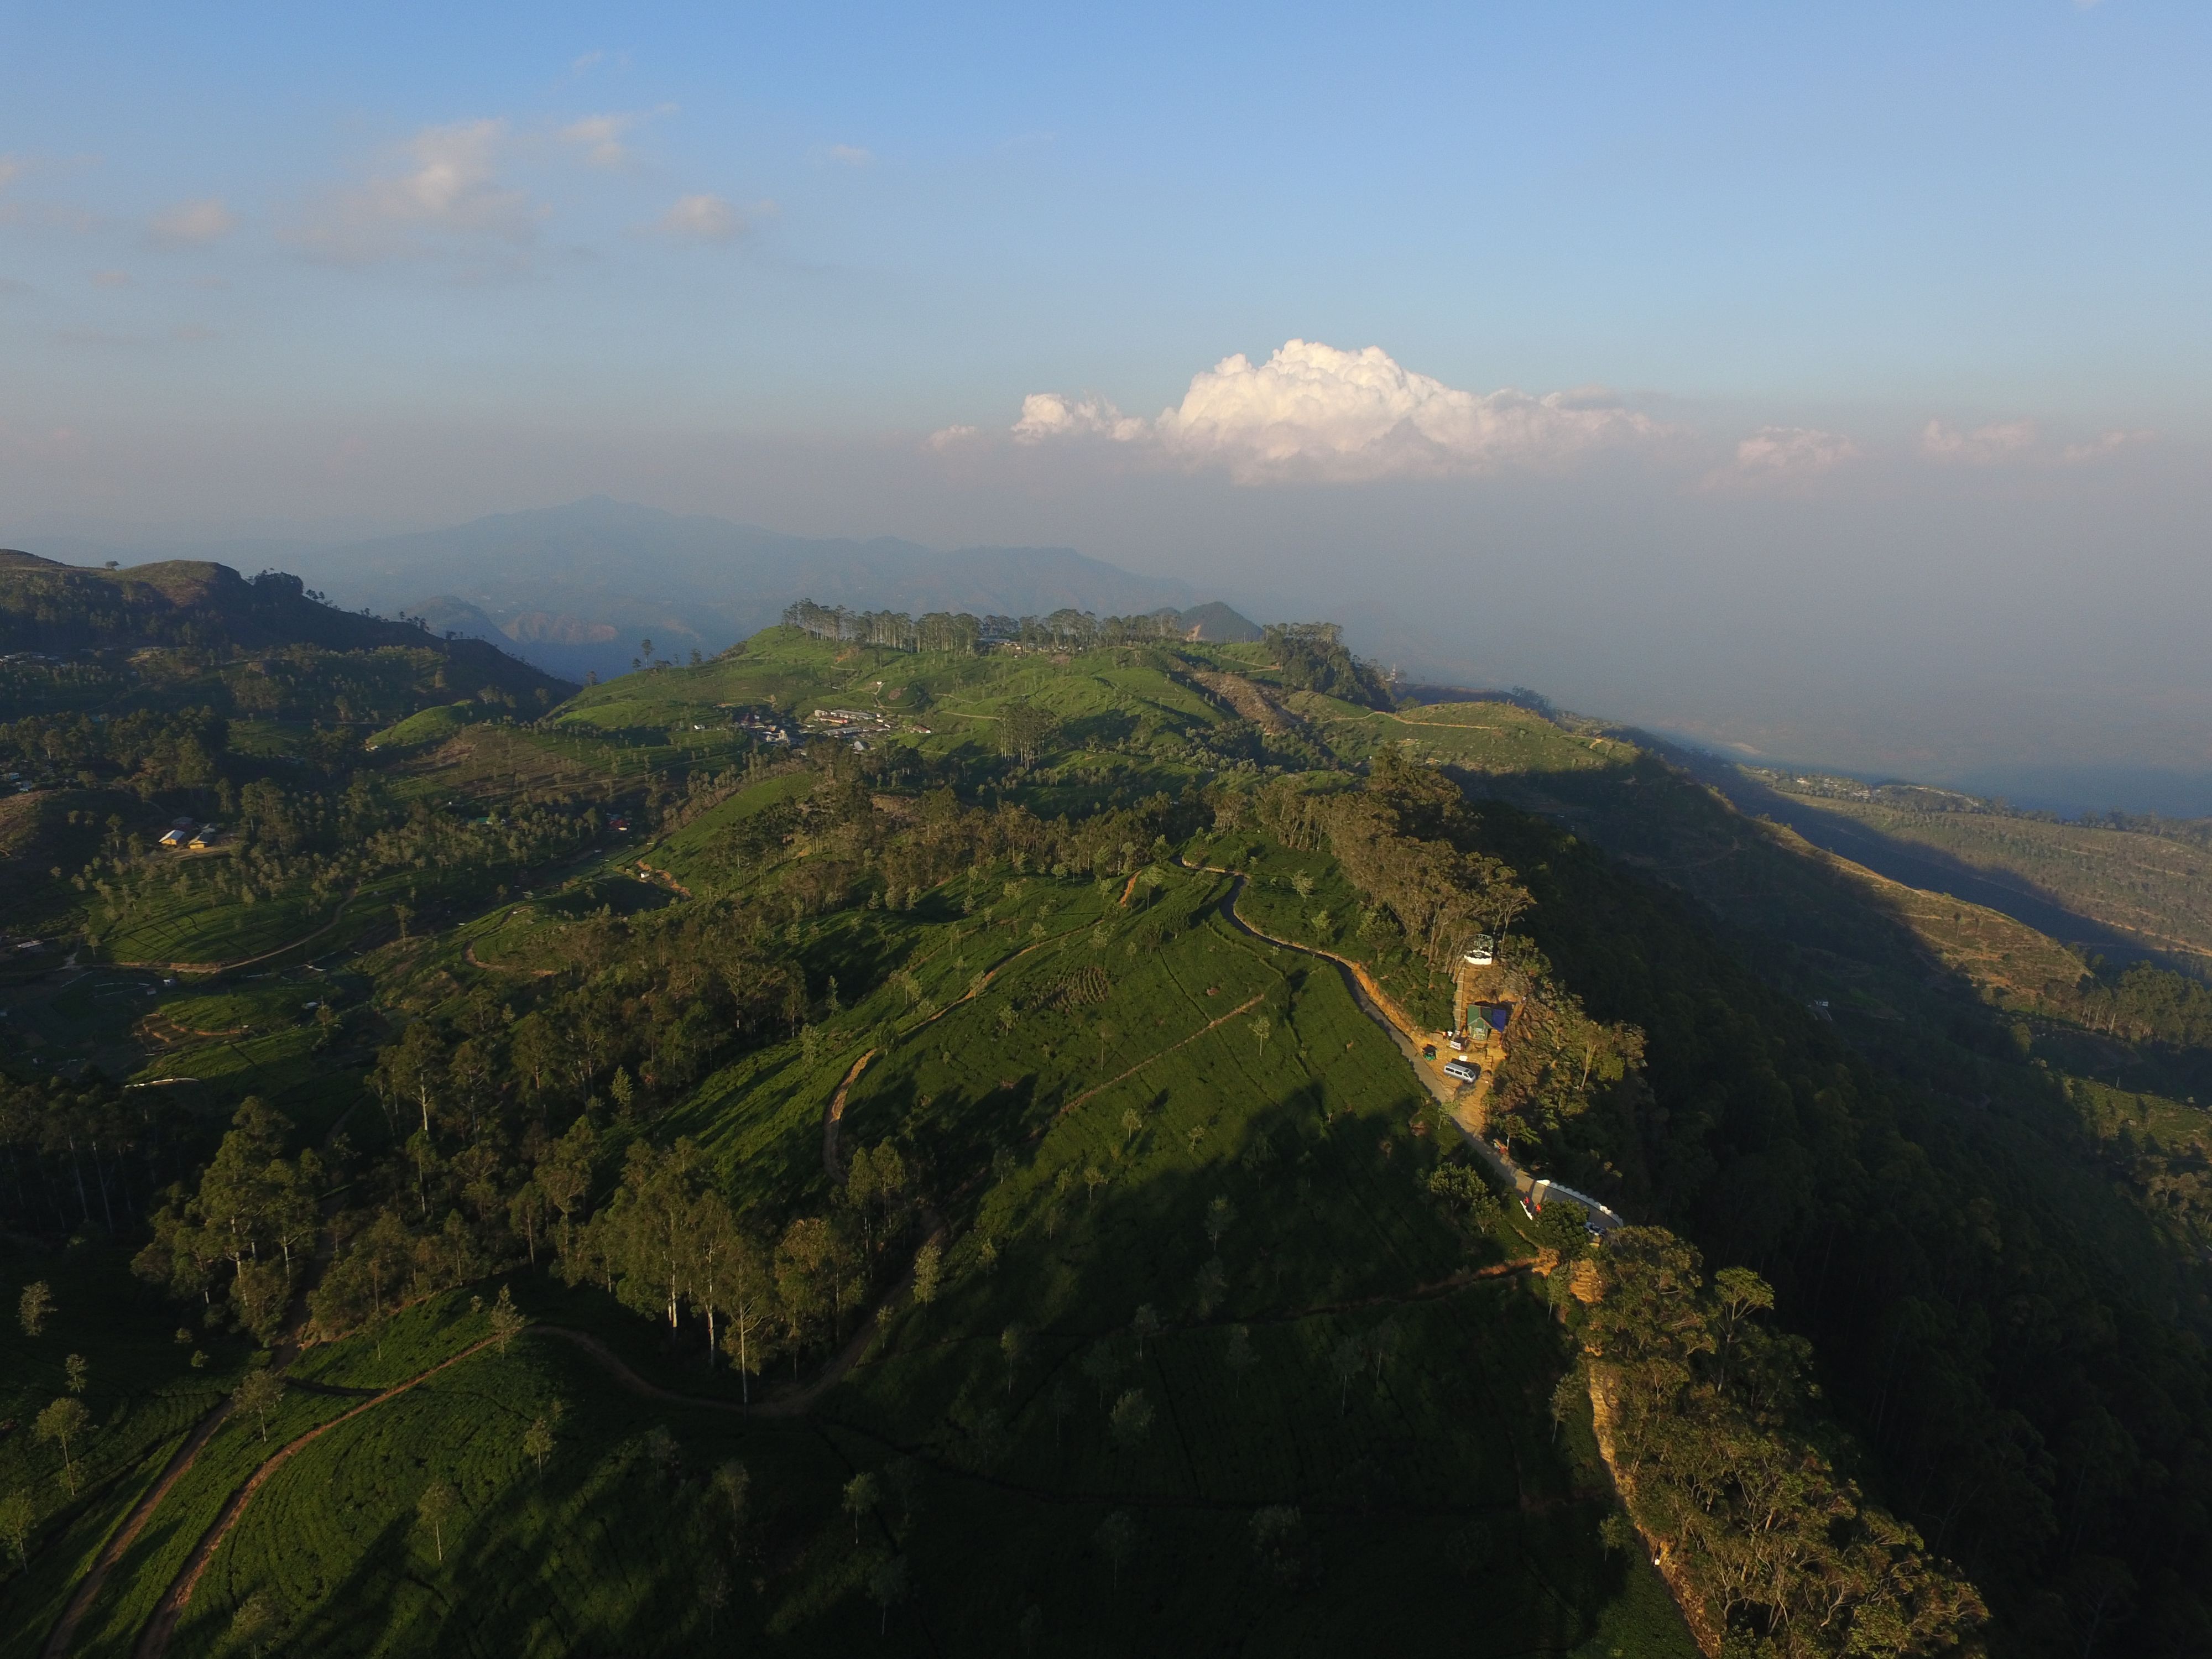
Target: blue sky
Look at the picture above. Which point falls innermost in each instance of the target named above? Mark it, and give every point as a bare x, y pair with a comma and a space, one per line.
1755, 316
1989, 209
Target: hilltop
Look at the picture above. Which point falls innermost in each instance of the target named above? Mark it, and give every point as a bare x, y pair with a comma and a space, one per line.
53, 608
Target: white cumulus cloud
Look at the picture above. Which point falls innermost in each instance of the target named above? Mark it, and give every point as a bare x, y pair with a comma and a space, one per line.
600, 137
1981, 446
447, 185
1314, 411
703, 218
193, 224
1051, 415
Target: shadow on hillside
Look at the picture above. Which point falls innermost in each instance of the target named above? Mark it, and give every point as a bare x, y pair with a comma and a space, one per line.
1441, 1464
1896, 1159
1917, 866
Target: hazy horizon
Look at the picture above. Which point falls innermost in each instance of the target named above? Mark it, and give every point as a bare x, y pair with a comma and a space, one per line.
1827, 389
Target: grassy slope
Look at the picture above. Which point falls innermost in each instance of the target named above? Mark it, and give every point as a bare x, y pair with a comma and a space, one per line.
2150, 887
1446, 1467
1432, 1496
144, 1396
1492, 739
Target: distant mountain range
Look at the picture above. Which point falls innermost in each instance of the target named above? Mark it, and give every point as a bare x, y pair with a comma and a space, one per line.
575, 589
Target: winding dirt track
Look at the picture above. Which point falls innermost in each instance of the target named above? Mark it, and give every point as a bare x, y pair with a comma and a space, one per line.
154, 1640
64, 1631
832, 1164
835, 1114
1374, 1000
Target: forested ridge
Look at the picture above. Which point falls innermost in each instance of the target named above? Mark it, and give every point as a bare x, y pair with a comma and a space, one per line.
921, 1092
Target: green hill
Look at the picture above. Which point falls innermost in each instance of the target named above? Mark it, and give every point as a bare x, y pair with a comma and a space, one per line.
48, 607
845, 1144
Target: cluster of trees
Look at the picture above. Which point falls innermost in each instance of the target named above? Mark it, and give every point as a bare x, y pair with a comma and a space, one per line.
667, 995
29, 684
319, 845
209, 611
1065, 630
1706, 1410
1568, 1081
855, 851
149, 751
2159, 1149
236, 1244
1406, 841
374, 686
756, 1285
65, 1425
87, 1157
50, 607
1312, 657
668, 1245
2144, 1004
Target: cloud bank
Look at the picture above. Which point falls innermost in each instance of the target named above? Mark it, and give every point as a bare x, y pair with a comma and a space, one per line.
193, 224
1793, 451
703, 218
600, 138
1983, 446
449, 186
1312, 411
2106, 443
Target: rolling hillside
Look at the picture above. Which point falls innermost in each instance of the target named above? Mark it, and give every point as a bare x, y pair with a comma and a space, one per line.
839, 1146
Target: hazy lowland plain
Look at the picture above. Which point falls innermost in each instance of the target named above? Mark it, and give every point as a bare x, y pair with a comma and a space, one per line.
888, 1139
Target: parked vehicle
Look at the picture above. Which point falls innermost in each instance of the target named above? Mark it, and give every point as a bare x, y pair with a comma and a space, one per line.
1464, 1071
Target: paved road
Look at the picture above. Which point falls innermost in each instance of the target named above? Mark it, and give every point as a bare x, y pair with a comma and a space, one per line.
1461, 1104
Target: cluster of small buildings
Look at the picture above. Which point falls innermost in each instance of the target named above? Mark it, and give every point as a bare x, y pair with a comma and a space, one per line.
858, 724
1483, 1019
767, 728
842, 720
184, 834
